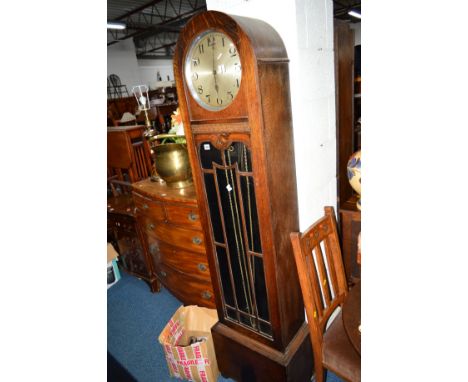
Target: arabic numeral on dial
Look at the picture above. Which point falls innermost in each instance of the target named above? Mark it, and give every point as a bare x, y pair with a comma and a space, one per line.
195, 76
237, 67
208, 97
201, 49
229, 93
237, 82
200, 90
211, 40
196, 61
219, 101
233, 51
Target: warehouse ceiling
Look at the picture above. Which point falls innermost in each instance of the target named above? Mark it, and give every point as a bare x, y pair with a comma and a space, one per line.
154, 25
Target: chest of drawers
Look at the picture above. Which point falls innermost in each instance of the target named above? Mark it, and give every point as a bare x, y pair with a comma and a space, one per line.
170, 222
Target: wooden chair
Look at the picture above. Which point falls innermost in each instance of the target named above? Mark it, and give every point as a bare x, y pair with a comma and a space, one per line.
128, 154
324, 289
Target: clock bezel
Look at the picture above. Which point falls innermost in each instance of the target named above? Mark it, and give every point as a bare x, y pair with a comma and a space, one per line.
188, 71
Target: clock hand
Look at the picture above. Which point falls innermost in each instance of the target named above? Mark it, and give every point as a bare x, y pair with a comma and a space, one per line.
214, 70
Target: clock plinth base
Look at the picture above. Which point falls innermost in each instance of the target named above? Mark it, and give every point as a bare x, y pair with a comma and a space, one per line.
245, 360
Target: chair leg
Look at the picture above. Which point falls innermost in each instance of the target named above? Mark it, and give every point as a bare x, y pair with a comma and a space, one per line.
319, 373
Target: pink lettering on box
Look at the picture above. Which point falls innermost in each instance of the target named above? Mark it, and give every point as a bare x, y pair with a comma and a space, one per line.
187, 372
203, 375
197, 352
181, 353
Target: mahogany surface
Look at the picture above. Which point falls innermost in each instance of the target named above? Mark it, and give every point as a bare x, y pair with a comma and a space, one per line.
352, 316
259, 118
172, 230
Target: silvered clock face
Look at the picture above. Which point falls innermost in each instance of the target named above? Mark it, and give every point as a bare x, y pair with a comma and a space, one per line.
213, 70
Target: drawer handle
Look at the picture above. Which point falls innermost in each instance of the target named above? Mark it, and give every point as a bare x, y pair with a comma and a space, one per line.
192, 217
202, 267
206, 295
163, 274
196, 240
151, 226
145, 206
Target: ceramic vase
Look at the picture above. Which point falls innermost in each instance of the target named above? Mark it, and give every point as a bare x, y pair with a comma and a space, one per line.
354, 174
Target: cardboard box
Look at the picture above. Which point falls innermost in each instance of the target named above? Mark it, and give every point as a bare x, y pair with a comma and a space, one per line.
113, 273
188, 345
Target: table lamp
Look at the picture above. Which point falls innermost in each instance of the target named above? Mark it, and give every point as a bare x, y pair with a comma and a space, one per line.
141, 95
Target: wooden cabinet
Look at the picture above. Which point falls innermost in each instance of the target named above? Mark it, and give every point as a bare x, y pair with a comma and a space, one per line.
129, 240
348, 141
169, 219
350, 218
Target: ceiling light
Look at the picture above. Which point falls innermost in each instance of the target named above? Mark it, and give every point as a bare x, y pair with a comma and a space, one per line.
354, 14
115, 25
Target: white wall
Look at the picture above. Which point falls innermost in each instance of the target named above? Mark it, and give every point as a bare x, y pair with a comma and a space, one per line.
121, 60
306, 27
357, 33
149, 68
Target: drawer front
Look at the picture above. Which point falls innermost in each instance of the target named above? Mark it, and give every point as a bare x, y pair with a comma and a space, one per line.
179, 237
183, 215
148, 207
189, 290
191, 263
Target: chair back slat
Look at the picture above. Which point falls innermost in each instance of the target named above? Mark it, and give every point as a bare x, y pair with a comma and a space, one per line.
322, 275
313, 283
320, 269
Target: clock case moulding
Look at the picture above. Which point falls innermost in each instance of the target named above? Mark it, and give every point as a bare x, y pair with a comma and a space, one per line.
259, 118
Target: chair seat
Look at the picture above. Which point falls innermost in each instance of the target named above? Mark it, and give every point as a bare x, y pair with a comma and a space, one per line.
339, 354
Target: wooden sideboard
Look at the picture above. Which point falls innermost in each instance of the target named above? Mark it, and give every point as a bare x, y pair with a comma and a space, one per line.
170, 223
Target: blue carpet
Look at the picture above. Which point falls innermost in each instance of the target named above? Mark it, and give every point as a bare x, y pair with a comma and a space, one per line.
135, 317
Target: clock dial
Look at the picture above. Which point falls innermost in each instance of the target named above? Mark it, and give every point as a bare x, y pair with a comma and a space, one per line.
213, 70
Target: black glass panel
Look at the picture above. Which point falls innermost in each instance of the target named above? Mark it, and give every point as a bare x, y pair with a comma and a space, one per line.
260, 288
250, 213
225, 276
231, 313
235, 241
249, 321
238, 153
235, 223
208, 155
211, 194
266, 328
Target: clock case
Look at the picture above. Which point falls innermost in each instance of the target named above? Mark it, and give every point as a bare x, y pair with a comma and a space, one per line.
267, 339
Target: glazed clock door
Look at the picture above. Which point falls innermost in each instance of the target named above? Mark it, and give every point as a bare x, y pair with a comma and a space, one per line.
230, 192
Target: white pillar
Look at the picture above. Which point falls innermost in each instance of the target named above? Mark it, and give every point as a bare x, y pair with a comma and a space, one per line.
306, 27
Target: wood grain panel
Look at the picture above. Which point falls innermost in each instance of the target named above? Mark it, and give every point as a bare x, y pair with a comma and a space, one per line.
188, 289
150, 208
184, 215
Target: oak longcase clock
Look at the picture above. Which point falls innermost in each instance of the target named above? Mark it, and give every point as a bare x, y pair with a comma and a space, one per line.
233, 85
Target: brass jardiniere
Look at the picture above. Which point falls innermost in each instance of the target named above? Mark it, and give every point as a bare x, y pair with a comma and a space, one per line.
172, 162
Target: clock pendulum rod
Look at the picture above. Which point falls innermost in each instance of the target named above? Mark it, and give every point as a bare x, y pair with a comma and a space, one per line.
239, 242
249, 204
